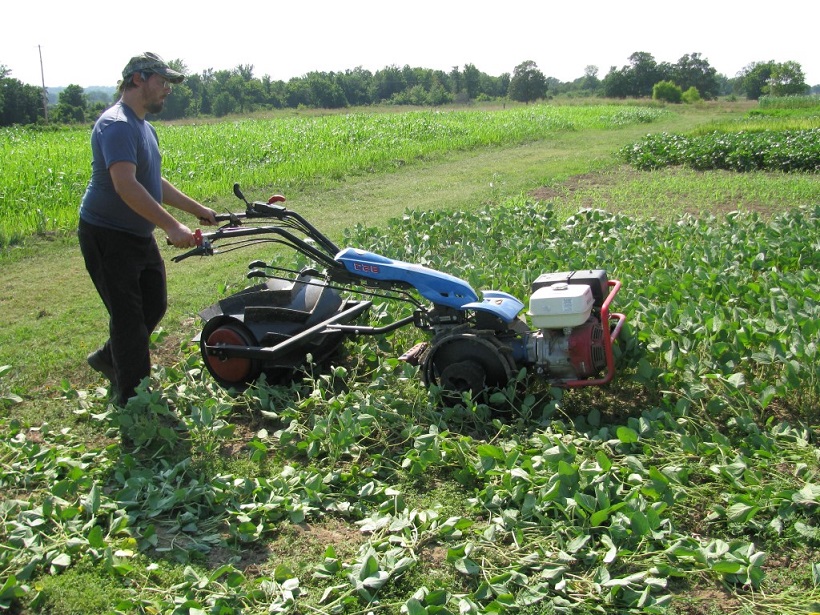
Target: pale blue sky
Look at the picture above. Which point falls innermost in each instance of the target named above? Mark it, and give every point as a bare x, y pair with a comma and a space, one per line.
87, 43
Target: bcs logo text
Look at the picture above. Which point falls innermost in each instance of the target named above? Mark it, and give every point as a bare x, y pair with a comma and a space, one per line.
364, 268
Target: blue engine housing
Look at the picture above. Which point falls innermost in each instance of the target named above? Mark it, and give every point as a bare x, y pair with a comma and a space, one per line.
437, 287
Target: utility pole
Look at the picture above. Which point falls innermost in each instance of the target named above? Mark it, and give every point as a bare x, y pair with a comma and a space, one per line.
43, 77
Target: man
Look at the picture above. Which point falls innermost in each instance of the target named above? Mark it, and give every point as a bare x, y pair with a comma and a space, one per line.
120, 210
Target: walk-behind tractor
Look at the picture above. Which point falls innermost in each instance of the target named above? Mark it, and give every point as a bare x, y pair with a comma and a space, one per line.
473, 342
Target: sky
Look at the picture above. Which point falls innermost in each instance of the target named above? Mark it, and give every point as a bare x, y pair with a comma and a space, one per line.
88, 43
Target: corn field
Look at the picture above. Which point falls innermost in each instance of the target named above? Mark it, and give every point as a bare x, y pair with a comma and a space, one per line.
45, 172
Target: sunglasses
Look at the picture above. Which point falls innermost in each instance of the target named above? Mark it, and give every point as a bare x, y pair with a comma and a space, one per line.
165, 83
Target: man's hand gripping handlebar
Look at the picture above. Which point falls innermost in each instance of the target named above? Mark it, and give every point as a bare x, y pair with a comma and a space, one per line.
203, 247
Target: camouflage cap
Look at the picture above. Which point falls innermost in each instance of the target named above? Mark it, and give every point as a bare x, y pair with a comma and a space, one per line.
151, 63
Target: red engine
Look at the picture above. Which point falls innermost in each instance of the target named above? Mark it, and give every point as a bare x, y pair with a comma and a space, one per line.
572, 343
570, 356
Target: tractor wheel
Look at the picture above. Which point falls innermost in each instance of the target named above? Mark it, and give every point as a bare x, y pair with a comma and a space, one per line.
235, 372
464, 362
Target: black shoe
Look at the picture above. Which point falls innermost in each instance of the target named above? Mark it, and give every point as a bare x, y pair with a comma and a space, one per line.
99, 362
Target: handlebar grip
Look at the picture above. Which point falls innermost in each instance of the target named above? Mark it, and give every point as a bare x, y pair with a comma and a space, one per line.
227, 217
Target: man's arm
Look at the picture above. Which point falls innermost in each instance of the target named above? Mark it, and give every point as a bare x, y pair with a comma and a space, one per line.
174, 197
124, 176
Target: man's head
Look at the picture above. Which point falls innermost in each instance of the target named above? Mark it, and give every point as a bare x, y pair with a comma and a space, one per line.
145, 65
146, 82
151, 63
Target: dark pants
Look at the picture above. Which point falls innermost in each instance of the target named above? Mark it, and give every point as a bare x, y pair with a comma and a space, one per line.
129, 274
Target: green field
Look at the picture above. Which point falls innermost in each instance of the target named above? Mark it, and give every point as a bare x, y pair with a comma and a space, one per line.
688, 486
45, 173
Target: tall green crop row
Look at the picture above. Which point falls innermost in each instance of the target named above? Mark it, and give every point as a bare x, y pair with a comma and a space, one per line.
45, 173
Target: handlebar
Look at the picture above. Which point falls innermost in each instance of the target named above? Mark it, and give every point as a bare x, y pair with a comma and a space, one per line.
315, 245
234, 219
255, 210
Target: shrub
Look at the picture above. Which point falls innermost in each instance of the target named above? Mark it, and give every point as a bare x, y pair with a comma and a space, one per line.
667, 91
691, 96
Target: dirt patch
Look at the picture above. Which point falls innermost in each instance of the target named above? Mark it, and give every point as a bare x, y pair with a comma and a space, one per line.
705, 601
311, 540
250, 558
627, 190
576, 183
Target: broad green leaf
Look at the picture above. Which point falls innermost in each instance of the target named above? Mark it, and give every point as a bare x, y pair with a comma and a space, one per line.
638, 522
95, 537
586, 502
369, 567
63, 560
728, 567
497, 398
488, 450
577, 543
414, 607
533, 594
741, 513
376, 580
598, 517
737, 380
437, 597
467, 566
658, 476
603, 461
809, 494
11, 590
566, 469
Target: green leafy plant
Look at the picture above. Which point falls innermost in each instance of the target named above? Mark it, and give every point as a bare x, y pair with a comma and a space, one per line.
786, 150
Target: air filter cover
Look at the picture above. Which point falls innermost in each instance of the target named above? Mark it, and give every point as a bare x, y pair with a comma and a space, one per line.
560, 305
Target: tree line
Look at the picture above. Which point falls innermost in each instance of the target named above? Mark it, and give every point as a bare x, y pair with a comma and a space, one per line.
218, 93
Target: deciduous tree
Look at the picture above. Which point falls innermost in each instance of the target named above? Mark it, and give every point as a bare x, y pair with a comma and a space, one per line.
528, 83
776, 79
787, 79
72, 105
692, 70
19, 103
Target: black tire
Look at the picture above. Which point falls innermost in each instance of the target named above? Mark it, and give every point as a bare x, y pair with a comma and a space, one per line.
464, 362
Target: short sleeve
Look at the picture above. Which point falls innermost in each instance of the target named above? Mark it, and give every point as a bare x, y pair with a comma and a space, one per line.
118, 143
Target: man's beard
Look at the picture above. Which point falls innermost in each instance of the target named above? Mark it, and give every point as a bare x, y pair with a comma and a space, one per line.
155, 107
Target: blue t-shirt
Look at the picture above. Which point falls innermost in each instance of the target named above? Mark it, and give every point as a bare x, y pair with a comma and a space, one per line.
120, 136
